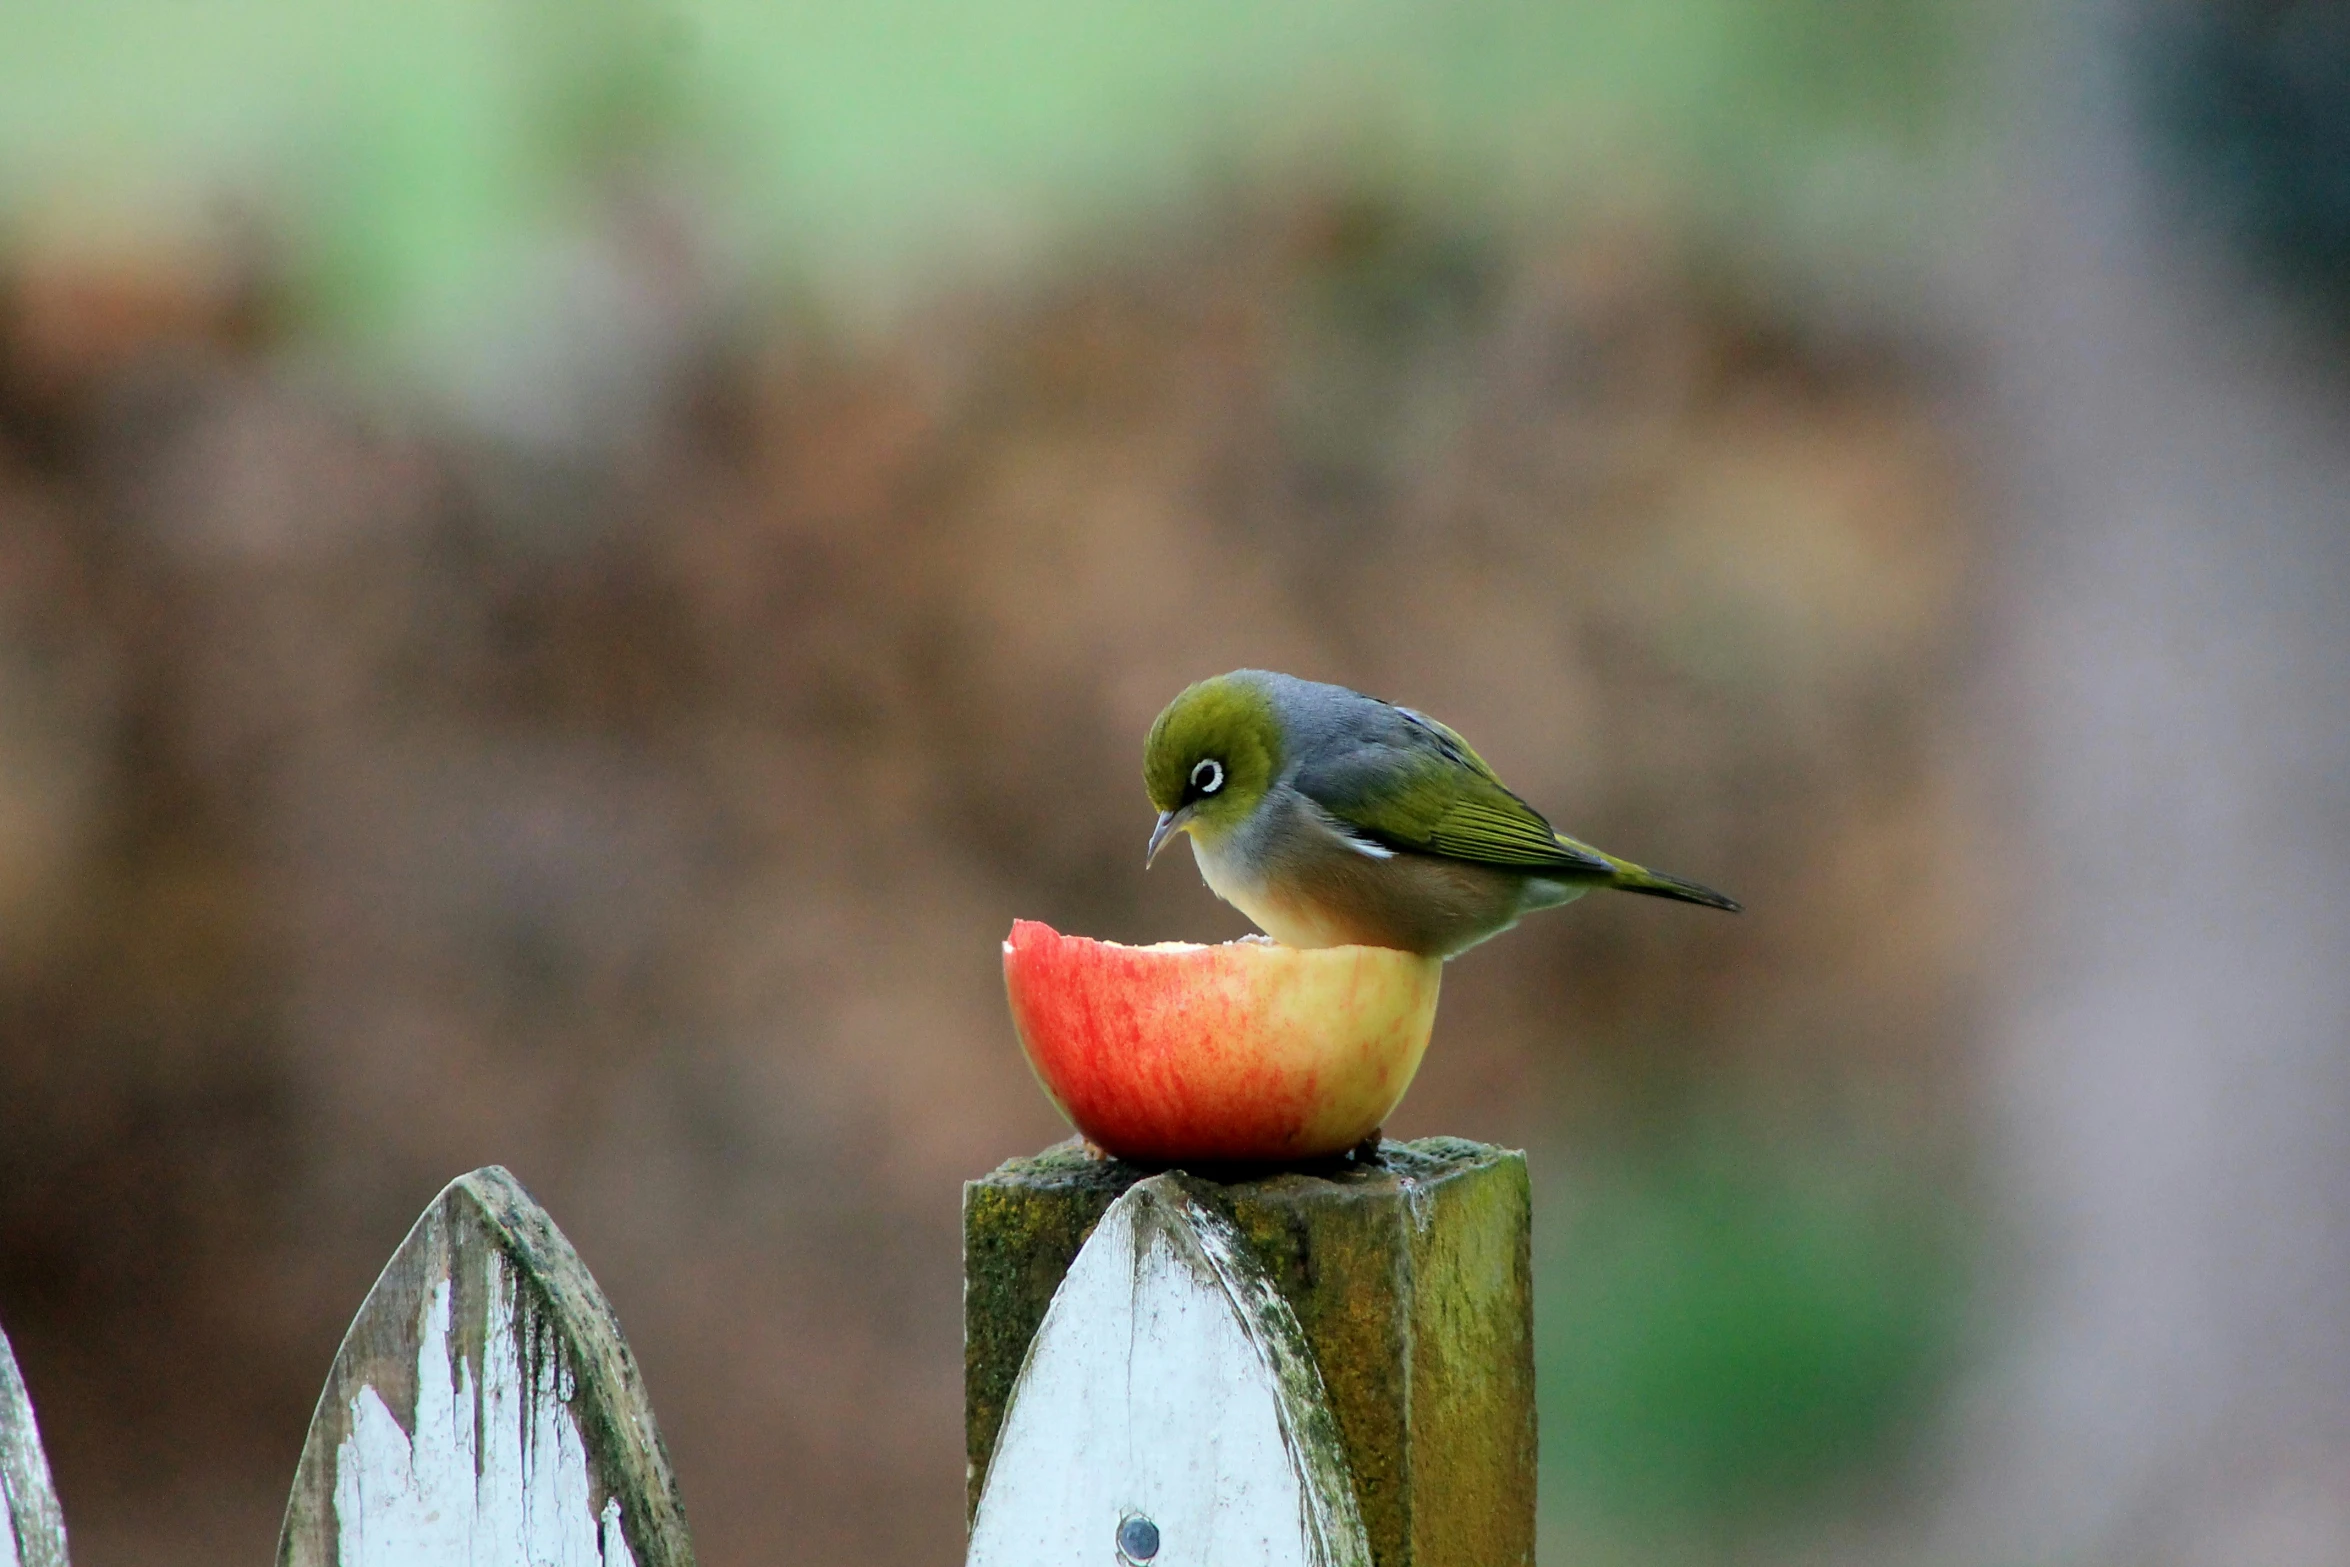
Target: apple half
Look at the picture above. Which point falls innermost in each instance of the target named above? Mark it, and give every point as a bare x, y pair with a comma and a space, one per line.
1245, 1052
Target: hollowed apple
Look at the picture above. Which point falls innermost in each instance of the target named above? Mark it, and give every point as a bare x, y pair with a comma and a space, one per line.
1243, 1052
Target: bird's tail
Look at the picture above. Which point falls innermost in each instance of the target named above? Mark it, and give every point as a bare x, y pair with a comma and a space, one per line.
1656, 884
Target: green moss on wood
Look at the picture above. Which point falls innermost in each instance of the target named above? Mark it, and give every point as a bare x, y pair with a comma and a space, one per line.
1411, 1278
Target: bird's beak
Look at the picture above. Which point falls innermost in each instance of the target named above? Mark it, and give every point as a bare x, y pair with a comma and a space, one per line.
1168, 822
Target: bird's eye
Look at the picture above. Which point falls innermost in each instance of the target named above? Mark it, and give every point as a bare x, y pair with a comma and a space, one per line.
1207, 775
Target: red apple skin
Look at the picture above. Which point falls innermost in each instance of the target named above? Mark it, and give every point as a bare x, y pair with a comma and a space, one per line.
1246, 1052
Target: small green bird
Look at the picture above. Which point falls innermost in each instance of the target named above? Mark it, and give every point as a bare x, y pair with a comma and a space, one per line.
1333, 818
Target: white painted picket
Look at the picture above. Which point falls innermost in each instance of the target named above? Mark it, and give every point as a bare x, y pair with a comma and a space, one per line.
1169, 1412
499, 1472
484, 1411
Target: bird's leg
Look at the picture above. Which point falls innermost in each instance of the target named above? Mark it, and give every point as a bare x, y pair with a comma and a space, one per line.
1368, 1149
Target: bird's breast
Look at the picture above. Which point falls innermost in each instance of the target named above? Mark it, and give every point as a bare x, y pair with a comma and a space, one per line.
1306, 885
1241, 880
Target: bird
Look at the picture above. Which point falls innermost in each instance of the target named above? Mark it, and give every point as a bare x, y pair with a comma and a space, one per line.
1331, 818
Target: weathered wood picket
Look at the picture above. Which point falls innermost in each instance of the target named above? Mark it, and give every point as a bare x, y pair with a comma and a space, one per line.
1328, 1370
32, 1529
484, 1409
1325, 1369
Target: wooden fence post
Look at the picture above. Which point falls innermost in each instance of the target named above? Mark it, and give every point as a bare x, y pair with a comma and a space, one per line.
484, 1410
32, 1529
1406, 1281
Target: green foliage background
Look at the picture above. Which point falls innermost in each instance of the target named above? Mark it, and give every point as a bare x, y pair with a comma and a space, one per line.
898, 146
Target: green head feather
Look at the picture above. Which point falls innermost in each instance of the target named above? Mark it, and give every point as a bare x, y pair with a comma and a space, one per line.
1216, 750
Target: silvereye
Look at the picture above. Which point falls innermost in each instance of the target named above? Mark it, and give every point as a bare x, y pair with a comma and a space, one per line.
1330, 817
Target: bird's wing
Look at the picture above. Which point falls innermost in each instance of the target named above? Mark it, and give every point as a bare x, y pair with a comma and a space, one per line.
1417, 785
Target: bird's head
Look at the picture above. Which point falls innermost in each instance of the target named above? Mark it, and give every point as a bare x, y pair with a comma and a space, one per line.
1211, 757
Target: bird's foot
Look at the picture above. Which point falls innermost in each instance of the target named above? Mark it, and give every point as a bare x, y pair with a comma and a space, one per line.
1094, 1150
1368, 1149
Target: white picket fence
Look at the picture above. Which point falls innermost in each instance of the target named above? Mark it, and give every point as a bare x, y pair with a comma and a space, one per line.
1290, 1370
483, 1409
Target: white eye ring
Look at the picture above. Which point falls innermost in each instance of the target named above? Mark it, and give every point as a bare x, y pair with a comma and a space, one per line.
1207, 775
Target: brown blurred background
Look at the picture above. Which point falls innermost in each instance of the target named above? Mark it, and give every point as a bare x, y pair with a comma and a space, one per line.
562, 581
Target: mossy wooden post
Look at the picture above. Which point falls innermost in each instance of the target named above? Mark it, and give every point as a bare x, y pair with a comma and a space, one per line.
1408, 1277
484, 1410
32, 1530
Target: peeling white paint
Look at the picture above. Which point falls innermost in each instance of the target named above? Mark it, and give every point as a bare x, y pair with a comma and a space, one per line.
1170, 1380
494, 1476
1418, 1201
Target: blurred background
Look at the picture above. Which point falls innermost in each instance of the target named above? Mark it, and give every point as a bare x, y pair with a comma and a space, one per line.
566, 569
